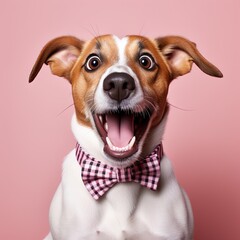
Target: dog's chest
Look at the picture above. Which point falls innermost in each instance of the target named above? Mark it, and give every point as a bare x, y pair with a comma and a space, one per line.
126, 211
118, 215
121, 214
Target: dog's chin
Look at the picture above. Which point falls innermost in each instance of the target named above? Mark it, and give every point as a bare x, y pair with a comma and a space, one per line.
123, 133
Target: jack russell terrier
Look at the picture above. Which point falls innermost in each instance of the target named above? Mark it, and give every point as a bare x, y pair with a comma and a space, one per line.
117, 183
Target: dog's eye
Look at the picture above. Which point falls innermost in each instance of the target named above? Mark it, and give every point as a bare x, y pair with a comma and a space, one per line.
93, 63
146, 61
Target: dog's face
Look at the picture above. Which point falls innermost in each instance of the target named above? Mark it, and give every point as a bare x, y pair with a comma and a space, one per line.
120, 86
119, 89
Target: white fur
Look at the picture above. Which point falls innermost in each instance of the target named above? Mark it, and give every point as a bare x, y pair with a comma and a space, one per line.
101, 100
128, 210
121, 44
102, 103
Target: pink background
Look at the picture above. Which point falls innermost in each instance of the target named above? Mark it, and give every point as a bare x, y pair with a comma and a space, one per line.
203, 140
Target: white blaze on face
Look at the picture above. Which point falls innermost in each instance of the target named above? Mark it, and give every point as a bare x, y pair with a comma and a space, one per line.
120, 131
121, 45
102, 101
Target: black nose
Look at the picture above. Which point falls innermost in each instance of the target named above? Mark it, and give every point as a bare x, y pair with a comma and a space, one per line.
118, 85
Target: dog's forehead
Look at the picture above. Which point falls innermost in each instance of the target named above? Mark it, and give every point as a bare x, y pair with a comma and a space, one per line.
120, 47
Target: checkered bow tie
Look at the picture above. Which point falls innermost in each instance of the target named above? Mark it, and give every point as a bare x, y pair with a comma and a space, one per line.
99, 178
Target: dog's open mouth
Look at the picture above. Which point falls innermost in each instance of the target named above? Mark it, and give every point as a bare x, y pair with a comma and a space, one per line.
122, 130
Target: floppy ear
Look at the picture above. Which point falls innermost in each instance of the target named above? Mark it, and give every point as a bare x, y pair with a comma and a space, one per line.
180, 54
60, 54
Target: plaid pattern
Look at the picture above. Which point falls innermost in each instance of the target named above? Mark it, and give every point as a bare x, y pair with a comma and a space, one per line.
99, 178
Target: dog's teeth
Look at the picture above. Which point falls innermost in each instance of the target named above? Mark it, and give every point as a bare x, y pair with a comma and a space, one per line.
109, 143
106, 126
122, 149
130, 145
100, 118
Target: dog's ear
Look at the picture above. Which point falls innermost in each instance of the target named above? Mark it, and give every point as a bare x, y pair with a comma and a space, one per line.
180, 54
60, 54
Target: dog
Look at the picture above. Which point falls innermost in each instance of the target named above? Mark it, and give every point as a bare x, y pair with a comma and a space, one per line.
117, 183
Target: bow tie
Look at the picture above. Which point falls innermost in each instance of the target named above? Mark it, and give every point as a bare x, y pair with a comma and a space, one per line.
99, 178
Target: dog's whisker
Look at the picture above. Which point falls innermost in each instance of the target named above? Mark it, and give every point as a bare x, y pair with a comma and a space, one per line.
92, 107
148, 113
91, 104
94, 31
86, 29
182, 109
98, 32
139, 108
150, 103
141, 30
95, 34
65, 109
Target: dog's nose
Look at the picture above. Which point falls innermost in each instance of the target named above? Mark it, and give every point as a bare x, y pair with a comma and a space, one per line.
118, 85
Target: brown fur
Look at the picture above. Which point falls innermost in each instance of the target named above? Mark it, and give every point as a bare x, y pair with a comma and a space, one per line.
85, 83
154, 83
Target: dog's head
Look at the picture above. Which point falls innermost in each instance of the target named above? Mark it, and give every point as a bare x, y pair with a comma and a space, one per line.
120, 86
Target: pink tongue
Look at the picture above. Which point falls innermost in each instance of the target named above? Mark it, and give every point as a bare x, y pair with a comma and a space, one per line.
120, 129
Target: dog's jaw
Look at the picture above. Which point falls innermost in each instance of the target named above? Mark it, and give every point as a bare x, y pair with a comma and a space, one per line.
92, 143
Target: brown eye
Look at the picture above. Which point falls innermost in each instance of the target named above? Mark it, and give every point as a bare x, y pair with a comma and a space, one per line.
146, 62
93, 63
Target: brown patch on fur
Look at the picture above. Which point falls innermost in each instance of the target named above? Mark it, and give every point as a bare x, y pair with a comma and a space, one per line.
154, 83
84, 83
71, 43
67, 56
175, 45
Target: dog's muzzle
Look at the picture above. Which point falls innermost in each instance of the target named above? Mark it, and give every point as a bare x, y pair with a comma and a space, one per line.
123, 125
